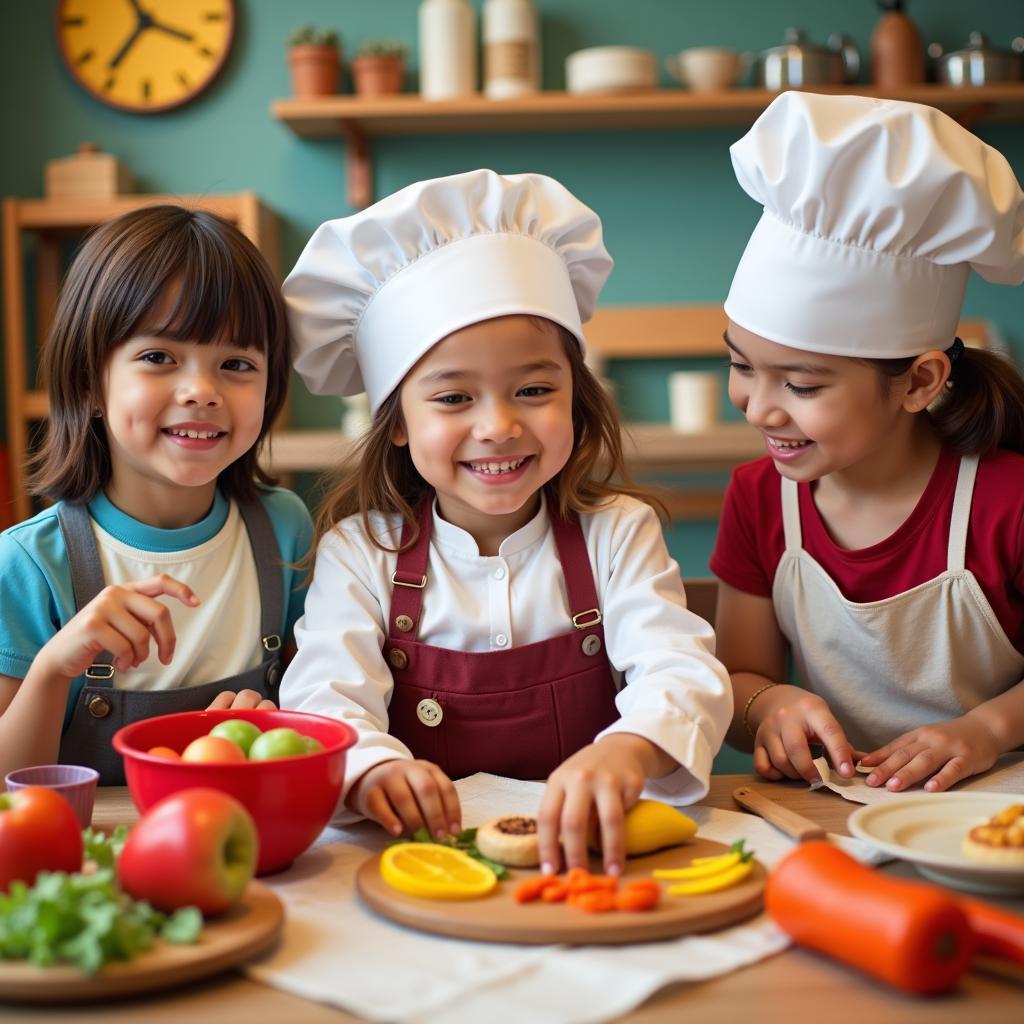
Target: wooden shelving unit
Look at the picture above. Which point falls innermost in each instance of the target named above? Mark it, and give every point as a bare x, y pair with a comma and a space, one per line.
359, 119
52, 222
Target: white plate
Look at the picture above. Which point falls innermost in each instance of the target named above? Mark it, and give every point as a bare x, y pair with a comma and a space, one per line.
928, 829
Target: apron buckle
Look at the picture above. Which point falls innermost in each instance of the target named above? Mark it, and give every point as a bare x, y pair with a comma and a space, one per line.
272, 642
405, 583
99, 671
580, 621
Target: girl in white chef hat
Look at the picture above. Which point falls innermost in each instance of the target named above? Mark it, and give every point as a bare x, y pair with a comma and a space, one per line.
881, 541
485, 596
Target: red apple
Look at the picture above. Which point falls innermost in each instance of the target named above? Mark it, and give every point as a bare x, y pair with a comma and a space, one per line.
197, 847
213, 749
38, 832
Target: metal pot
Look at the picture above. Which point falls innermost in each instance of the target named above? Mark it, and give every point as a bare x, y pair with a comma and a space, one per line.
979, 63
797, 63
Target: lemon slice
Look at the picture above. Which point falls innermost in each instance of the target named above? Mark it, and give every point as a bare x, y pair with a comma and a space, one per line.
435, 872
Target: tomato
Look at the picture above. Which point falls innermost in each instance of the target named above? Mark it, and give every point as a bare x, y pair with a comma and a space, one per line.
38, 832
196, 847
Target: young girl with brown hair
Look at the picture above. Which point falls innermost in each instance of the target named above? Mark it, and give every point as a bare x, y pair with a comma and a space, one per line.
486, 595
881, 541
167, 363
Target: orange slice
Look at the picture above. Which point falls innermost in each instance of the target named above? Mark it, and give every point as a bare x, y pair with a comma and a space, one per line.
435, 872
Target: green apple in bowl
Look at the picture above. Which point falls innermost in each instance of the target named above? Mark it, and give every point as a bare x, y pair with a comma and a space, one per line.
239, 731
275, 743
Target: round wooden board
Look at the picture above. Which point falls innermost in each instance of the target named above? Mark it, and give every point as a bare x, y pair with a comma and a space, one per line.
498, 918
245, 931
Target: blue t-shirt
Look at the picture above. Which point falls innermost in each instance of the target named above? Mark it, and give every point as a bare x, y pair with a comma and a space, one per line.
36, 592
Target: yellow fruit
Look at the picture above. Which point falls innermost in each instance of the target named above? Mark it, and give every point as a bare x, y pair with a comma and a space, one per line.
651, 825
713, 883
435, 872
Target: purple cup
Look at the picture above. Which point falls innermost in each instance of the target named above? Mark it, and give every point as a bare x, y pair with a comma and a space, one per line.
75, 783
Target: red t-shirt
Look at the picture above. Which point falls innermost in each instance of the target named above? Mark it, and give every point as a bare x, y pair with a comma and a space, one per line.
750, 539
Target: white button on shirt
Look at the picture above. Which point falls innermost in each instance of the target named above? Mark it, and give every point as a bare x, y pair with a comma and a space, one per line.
676, 693
499, 573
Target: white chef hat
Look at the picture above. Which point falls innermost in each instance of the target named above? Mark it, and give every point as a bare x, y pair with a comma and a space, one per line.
875, 211
373, 292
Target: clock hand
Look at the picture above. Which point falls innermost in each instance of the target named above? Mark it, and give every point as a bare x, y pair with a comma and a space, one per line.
128, 43
176, 32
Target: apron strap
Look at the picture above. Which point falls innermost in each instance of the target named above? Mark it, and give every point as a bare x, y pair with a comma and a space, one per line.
579, 577
957, 553
267, 556
410, 575
86, 576
791, 514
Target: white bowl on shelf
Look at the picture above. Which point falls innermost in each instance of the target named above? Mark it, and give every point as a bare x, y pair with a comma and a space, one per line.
603, 69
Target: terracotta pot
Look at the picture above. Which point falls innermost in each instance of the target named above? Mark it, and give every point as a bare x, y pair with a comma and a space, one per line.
378, 76
315, 70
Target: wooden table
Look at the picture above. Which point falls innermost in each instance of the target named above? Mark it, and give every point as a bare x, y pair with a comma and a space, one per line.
780, 990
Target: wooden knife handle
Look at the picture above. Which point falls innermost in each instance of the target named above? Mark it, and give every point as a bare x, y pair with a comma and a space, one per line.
795, 825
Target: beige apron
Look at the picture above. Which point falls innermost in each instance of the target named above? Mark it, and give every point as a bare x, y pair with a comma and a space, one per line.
884, 667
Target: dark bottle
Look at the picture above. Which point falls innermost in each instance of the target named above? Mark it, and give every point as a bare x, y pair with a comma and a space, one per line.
897, 53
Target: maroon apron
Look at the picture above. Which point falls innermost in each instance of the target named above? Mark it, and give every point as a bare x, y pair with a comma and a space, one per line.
518, 713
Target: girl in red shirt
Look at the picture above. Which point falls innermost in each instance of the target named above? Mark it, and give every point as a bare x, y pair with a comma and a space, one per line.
881, 543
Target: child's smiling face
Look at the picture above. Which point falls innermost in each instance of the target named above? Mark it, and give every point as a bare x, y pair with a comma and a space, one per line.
818, 414
176, 414
487, 416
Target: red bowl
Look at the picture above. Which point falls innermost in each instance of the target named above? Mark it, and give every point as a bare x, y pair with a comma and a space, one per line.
291, 799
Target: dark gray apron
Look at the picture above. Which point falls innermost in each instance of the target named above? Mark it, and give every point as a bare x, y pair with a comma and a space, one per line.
101, 709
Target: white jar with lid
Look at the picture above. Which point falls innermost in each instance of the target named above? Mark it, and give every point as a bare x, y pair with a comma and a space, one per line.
511, 48
447, 49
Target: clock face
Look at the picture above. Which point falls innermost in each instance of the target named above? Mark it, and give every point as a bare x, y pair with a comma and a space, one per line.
145, 55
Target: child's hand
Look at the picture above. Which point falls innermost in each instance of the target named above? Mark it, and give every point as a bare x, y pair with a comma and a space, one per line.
245, 699
791, 719
403, 796
120, 619
953, 750
606, 777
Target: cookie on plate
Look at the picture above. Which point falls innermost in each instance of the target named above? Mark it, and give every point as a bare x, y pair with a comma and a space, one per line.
1000, 840
510, 840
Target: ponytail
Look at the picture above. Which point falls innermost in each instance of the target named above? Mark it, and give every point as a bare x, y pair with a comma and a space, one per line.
983, 405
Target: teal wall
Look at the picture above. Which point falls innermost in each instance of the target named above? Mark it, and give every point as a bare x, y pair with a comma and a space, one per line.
674, 218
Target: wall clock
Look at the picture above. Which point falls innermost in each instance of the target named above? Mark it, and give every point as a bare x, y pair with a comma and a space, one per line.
145, 55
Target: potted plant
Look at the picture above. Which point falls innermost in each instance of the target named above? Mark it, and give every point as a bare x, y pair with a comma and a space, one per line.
314, 56
379, 69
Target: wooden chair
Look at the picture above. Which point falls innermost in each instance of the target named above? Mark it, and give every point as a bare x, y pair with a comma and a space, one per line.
702, 597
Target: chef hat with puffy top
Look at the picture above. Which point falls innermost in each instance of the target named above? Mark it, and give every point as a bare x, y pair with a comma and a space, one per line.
372, 293
875, 212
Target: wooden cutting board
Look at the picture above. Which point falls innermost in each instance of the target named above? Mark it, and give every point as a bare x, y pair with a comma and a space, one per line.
245, 931
498, 918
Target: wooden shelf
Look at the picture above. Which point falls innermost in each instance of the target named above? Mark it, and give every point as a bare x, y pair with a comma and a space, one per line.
359, 119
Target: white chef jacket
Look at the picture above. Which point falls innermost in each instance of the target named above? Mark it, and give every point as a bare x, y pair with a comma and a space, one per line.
672, 689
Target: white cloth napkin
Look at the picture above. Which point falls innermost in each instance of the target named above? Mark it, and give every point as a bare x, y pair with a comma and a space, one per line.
337, 951
1006, 776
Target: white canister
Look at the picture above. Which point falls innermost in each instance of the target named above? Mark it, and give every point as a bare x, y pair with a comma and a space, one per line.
694, 400
511, 48
447, 49
610, 69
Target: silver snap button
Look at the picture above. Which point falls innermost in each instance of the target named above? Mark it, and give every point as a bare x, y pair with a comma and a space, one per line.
403, 623
429, 712
591, 645
499, 573
398, 658
99, 707
501, 639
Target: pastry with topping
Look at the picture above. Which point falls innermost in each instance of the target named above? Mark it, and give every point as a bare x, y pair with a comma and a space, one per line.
1000, 840
510, 840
